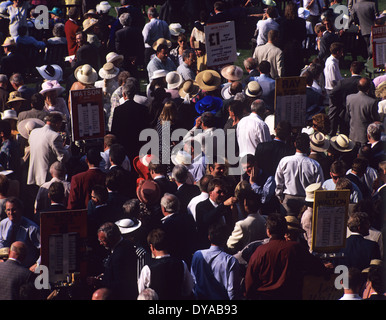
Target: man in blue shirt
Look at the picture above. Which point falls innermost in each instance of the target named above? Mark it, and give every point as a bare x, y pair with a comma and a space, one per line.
161, 61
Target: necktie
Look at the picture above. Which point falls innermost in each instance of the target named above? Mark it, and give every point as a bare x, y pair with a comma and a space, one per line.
12, 234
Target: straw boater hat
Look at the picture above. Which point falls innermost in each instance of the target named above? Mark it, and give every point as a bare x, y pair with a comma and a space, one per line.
174, 80
14, 96
86, 74
51, 72
373, 262
88, 23
342, 143
161, 41
108, 71
8, 42
319, 142
149, 192
176, 29
253, 90
9, 114
113, 56
25, 126
208, 80
189, 87
310, 191
51, 85
127, 226
232, 72
103, 7
294, 224
181, 157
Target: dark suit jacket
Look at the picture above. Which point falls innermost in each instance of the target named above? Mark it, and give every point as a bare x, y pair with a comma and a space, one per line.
13, 63
81, 185
361, 185
166, 185
120, 274
359, 252
324, 161
270, 153
325, 42
377, 154
129, 43
12, 277
129, 119
185, 193
87, 54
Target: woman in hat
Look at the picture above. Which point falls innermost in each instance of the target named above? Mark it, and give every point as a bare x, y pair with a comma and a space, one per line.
55, 17
209, 82
176, 53
51, 90
86, 77
15, 101
158, 80
92, 29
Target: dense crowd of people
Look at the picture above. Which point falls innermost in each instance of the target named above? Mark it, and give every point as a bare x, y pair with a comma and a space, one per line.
223, 210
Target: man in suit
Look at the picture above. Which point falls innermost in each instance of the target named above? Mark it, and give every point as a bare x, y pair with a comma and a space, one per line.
250, 66
359, 251
36, 110
46, 147
214, 209
362, 109
358, 170
159, 175
272, 53
338, 95
129, 119
273, 151
327, 39
129, 43
120, 269
13, 276
82, 182
185, 192
86, 52
11, 62
377, 146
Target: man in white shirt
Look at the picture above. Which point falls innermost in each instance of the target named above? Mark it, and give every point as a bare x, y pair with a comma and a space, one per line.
204, 182
252, 130
331, 70
265, 25
293, 175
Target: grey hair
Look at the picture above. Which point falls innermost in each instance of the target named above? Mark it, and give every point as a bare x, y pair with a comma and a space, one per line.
250, 63
125, 19
58, 30
58, 169
170, 203
186, 54
258, 106
129, 89
374, 130
180, 173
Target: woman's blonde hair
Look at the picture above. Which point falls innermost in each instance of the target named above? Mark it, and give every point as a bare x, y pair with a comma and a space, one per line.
169, 112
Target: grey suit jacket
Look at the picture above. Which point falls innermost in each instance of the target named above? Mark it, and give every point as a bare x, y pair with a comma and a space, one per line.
273, 55
364, 13
46, 147
361, 110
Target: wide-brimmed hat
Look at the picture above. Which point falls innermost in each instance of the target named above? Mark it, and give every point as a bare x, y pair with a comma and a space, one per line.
128, 225
189, 87
294, 224
232, 72
310, 191
25, 126
90, 13
176, 29
141, 165
208, 80
88, 23
56, 11
319, 142
113, 56
174, 80
303, 13
148, 192
8, 42
181, 157
342, 143
158, 74
86, 74
108, 71
226, 92
209, 104
253, 89
9, 114
51, 85
14, 96
373, 262
103, 7
161, 41
269, 3
51, 72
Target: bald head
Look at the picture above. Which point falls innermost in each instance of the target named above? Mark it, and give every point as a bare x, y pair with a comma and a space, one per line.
364, 85
18, 251
101, 294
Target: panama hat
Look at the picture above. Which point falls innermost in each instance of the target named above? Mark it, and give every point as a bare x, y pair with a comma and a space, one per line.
209, 104
88, 23
50, 72
161, 41
86, 74
319, 142
181, 157
176, 29
208, 80
253, 89
294, 224
113, 56
51, 85
9, 41
25, 126
14, 96
373, 262
174, 80
310, 191
9, 114
342, 143
128, 225
303, 13
103, 7
149, 192
108, 71
232, 72
189, 87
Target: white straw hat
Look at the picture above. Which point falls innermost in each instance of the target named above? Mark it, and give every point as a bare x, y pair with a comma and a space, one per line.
86, 74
